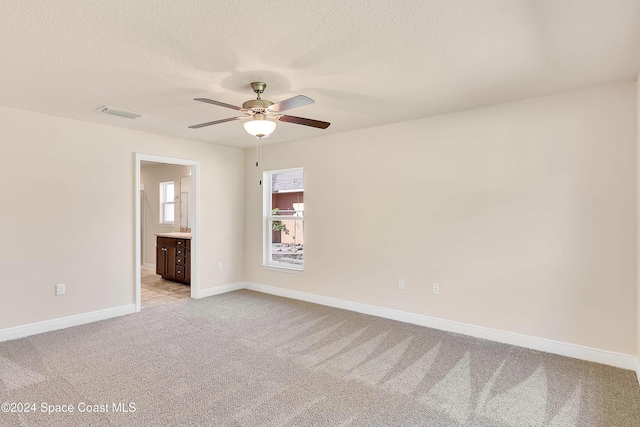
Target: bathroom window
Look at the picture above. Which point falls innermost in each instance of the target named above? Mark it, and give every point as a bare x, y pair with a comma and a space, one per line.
167, 203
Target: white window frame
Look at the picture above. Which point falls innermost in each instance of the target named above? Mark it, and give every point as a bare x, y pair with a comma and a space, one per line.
268, 218
164, 202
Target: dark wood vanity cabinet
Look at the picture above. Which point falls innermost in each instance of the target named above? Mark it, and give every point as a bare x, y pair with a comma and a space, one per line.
173, 259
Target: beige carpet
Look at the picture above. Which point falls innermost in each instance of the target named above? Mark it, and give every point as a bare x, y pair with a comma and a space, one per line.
248, 359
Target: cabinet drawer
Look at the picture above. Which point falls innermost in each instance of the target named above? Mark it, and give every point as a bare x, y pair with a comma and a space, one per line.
181, 243
166, 241
179, 272
181, 251
180, 260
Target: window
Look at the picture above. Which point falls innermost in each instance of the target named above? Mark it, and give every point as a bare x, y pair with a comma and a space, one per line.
284, 219
167, 203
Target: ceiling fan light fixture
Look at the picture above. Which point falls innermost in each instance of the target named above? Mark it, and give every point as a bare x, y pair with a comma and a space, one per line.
259, 126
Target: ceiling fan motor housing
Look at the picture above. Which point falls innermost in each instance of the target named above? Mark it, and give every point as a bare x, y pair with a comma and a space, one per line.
257, 105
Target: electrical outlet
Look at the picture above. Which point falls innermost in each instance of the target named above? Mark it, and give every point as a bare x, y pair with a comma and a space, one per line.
220, 266
400, 283
60, 289
436, 289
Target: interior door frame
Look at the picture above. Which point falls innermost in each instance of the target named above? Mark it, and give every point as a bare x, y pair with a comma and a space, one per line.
195, 227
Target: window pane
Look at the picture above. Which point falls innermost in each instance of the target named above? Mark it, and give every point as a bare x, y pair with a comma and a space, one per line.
168, 212
287, 241
287, 191
169, 192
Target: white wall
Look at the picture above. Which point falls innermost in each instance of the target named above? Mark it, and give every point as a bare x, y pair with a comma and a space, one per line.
524, 213
638, 211
68, 190
151, 176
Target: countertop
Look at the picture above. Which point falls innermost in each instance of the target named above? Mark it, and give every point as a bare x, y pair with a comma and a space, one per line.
175, 235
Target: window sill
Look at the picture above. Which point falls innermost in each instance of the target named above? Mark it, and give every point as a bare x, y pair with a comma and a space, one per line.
282, 269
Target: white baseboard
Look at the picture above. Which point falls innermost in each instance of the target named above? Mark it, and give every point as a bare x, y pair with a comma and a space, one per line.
217, 290
620, 360
150, 267
64, 322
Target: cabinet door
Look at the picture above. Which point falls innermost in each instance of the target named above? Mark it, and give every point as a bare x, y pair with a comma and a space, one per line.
161, 261
170, 264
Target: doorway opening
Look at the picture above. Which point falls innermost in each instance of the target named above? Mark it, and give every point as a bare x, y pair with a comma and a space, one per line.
166, 208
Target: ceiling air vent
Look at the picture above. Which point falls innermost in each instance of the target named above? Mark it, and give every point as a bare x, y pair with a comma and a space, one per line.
119, 112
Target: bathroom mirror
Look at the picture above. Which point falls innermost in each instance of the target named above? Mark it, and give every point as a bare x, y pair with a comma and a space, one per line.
185, 201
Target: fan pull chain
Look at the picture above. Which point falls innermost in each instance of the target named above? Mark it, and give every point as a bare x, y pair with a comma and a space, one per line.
258, 155
258, 151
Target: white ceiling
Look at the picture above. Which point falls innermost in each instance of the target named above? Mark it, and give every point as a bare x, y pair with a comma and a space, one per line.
364, 62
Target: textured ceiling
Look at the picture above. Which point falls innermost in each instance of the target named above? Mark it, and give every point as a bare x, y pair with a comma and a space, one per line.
364, 62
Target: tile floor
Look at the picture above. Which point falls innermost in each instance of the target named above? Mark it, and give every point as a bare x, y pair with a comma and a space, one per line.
156, 290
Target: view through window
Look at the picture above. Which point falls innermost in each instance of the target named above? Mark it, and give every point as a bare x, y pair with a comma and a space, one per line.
284, 218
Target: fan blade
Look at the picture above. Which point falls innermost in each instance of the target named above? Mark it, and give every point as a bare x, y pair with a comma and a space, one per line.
303, 121
221, 104
295, 102
215, 122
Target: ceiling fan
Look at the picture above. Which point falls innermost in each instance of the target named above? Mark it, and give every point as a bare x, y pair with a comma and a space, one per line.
264, 114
